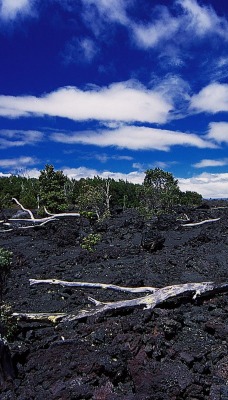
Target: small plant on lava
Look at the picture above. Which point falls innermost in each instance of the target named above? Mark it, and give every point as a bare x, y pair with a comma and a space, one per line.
90, 241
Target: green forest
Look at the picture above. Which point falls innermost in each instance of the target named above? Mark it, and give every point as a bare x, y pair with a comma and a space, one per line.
52, 190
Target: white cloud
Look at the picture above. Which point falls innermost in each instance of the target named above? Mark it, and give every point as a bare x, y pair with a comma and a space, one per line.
30, 173
83, 172
17, 162
212, 98
218, 131
124, 101
208, 185
17, 138
2, 175
135, 138
10, 9
211, 163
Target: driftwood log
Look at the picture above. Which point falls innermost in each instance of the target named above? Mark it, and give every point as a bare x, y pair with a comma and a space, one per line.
149, 301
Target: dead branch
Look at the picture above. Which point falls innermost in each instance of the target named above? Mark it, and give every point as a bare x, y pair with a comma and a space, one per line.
24, 209
93, 285
34, 221
201, 222
148, 302
53, 317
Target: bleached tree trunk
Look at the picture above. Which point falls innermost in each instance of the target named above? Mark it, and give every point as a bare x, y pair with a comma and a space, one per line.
107, 194
150, 301
201, 222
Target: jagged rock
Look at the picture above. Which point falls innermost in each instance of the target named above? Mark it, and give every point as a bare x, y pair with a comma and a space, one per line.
6, 367
178, 350
152, 241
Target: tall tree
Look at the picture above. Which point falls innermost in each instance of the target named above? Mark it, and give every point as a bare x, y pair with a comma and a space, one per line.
160, 190
52, 189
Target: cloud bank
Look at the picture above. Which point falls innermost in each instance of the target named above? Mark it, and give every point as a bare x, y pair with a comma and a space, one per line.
208, 185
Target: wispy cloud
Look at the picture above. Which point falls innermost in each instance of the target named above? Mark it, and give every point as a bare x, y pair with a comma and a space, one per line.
202, 19
152, 34
175, 89
79, 50
135, 138
11, 9
211, 163
17, 162
99, 13
103, 158
212, 98
194, 21
124, 101
16, 138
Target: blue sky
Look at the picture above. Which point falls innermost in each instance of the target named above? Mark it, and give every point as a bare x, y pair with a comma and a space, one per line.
114, 87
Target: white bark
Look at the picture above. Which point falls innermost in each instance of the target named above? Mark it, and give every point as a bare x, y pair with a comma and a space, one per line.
149, 301
201, 222
25, 209
36, 221
93, 285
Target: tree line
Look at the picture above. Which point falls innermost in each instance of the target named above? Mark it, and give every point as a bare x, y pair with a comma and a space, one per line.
98, 196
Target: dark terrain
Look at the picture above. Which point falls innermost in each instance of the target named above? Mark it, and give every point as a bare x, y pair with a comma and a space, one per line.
176, 351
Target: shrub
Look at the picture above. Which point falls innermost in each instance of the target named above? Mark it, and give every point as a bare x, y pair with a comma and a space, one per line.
5, 259
8, 324
90, 241
5, 263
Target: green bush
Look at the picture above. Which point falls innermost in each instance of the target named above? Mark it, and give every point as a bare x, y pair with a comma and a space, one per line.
5, 259
5, 263
90, 241
8, 323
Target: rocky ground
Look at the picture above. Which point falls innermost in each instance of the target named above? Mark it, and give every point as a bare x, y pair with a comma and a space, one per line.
176, 351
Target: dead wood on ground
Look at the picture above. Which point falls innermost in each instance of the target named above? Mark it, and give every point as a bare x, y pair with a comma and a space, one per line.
150, 301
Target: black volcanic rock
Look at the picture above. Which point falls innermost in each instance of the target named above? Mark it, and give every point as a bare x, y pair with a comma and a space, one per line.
176, 351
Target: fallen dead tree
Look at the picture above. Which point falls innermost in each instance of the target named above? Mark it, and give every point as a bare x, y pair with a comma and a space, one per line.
206, 221
32, 221
150, 301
